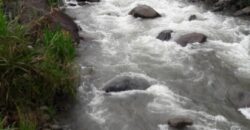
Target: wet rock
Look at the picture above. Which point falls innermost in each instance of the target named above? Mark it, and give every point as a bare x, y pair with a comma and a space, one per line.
192, 17
127, 82
244, 11
224, 4
165, 35
239, 98
180, 122
191, 38
144, 11
54, 19
58, 17
217, 8
72, 4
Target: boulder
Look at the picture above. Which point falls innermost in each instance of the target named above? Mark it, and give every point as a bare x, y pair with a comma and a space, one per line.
125, 82
144, 11
242, 12
180, 122
192, 17
66, 22
165, 35
54, 19
191, 38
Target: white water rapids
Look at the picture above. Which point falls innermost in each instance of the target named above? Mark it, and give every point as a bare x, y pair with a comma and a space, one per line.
193, 81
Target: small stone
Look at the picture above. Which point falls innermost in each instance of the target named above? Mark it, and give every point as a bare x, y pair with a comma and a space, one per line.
165, 35
192, 17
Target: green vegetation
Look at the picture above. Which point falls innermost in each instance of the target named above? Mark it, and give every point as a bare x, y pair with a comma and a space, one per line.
34, 74
25, 123
54, 3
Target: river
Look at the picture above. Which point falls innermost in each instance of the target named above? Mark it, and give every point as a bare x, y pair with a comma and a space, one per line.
199, 81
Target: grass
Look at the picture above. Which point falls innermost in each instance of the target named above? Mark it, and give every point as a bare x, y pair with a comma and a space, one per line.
54, 3
25, 122
34, 74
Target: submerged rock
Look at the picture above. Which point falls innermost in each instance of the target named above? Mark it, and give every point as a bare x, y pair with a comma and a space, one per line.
144, 11
239, 99
192, 17
165, 35
72, 4
180, 122
191, 38
223, 4
244, 11
127, 82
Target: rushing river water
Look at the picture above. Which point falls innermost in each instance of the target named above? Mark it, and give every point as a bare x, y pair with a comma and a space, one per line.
197, 81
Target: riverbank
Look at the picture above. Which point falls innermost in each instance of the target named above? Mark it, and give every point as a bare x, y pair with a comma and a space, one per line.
38, 74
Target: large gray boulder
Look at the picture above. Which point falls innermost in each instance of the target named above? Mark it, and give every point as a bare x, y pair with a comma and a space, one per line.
191, 38
127, 81
144, 11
